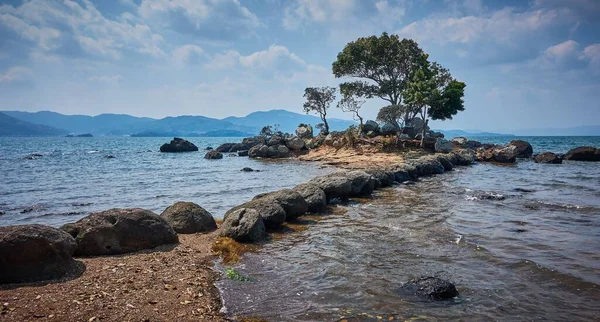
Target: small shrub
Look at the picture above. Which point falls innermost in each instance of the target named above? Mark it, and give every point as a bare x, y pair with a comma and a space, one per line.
232, 274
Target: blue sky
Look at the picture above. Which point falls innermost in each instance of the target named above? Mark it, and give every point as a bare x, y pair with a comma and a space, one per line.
526, 64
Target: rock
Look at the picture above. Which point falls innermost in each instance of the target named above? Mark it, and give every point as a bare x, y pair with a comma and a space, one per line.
213, 155
119, 231
189, 218
109, 156
1, 213
404, 136
239, 147
443, 145
436, 135
275, 140
32, 253
271, 212
432, 288
388, 129
304, 131
414, 127
333, 185
244, 225
369, 126
178, 145
232, 155
329, 139
584, 153
446, 162
32, 156
428, 165
208, 148
246, 169
384, 178
315, 197
372, 134
466, 143
291, 201
243, 153
225, 147
254, 141
524, 149
264, 151
283, 151
547, 157
294, 143
405, 172
506, 154
337, 144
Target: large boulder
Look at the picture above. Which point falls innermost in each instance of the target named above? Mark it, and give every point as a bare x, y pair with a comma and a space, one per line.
428, 165
265, 151
383, 178
276, 139
314, 196
414, 127
370, 126
254, 140
446, 160
547, 157
244, 225
523, 148
405, 172
389, 129
225, 147
239, 147
271, 212
463, 157
361, 183
329, 139
507, 154
584, 153
213, 155
291, 201
119, 231
304, 131
32, 253
294, 143
333, 185
431, 288
189, 218
178, 145
442, 145
466, 143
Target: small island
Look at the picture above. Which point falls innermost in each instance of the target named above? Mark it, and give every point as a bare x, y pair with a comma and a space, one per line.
86, 135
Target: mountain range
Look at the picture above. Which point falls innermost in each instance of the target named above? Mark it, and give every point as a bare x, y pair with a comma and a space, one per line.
186, 125
10, 126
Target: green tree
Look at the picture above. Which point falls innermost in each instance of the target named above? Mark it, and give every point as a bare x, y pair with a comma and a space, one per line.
434, 93
318, 100
352, 104
391, 114
383, 66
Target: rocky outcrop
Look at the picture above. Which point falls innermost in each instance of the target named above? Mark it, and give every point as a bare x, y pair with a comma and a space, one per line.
271, 212
178, 145
431, 288
244, 225
466, 143
370, 126
213, 155
243, 153
547, 157
506, 154
524, 150
443, 146
225, 147
584, 153
291, 201
294, 143
276, 139
383, 178
32, 253
254, 140
265, 151
304, 131
388, 129
189, 218
414, 127
315, 198
427, 166
118, 231
345, 184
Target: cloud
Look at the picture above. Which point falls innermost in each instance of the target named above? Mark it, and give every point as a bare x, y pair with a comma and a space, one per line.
209, 19
16, 74
592, 54
107, 80
53, 24
587, 10
303, 12
185, 54
275, 58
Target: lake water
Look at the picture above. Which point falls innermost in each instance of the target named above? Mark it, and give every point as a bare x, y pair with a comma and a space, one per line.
521, 242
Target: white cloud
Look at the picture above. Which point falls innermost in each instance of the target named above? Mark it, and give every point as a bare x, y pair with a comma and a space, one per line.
43, 21
592, 53
14, 74
273, 57
107, 80
184, 54
206, 18
308, 11
562, 51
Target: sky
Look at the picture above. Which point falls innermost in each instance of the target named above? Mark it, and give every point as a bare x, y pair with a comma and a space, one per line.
527, 64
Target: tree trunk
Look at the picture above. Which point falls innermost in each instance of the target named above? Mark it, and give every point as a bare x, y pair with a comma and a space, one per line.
360, 126
326, 125
425, 121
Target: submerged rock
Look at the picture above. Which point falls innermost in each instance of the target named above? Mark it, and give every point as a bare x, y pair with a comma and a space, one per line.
213, 155
314, 196
189, 218
32, 156
119, 231
244, 225
432, 288
584, 153
547, 157
31, 253
178, 145
246, 169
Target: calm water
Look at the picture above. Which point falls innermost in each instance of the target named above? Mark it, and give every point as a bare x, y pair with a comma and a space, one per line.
520, 242
73, 178
532, 252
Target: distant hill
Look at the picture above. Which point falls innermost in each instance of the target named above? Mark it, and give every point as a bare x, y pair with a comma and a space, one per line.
219, 133
288, 121
455, 133
10, 126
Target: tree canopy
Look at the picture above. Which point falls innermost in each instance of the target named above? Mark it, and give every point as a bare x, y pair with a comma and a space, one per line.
318, 100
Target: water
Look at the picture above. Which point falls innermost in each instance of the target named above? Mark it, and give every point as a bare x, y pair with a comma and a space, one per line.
73, 177
520, 242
